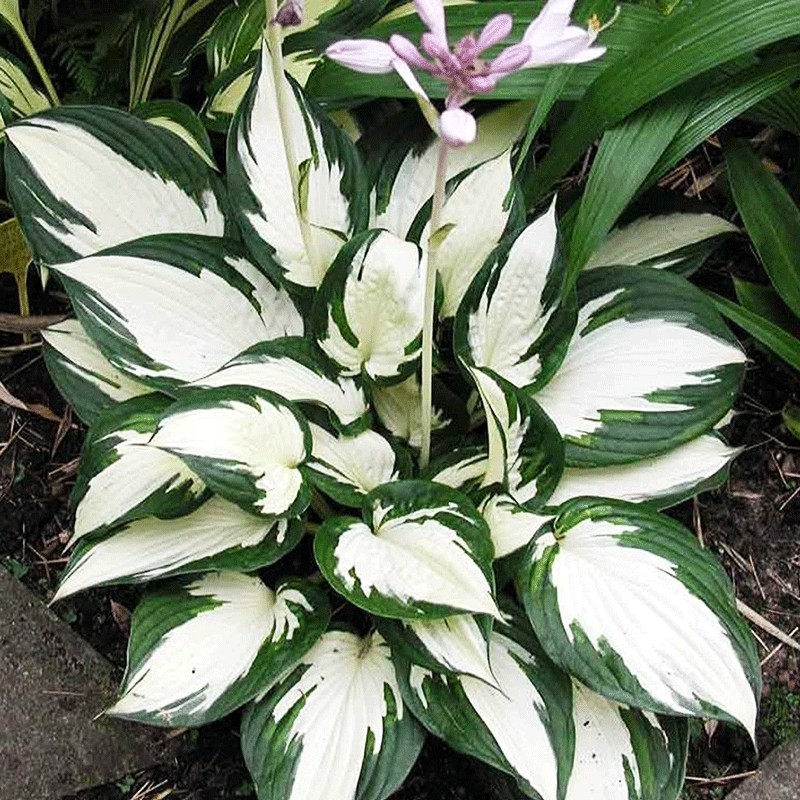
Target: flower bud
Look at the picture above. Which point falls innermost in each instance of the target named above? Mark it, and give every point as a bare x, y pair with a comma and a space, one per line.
362, 55
290, 14
457, 127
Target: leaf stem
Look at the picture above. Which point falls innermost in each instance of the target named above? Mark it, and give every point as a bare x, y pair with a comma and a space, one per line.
320, 506
30, 49
21, 279
430, 302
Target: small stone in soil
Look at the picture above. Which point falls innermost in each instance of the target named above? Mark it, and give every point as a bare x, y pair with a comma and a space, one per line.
53, 686
778, 776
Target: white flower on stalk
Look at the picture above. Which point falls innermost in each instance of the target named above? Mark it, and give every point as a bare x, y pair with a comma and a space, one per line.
549, 39
554, 41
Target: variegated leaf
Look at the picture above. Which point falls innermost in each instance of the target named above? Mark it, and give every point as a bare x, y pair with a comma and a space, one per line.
119, 462
519, 723
83, 375
422, 552
165, 37
180, 119
405, 183
399, 408
369, 309
226, 93
623, 753
663, 480
462, 468
512, 320
172, 309
235, 34
474, 217
83, 179
10, 15
248, 445
204, 647
526, 455
239, 29
511, 525
649, 367
218, 535
347, 468
628, 602
658, 241
15, 85
298, 193
297, 371
457, 645
335, 727
557, 737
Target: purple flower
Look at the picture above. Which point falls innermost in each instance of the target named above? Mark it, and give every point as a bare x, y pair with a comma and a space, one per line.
463, 68
549, 39
290, 14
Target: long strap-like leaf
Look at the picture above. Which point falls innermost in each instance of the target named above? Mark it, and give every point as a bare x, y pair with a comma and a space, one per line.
771, 218
702, 37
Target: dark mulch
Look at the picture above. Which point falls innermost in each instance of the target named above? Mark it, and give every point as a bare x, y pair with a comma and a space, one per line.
752, 523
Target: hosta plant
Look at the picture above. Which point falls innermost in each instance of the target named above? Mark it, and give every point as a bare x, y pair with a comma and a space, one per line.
393, 470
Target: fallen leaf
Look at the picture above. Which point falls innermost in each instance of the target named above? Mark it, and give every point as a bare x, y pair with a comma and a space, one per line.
34, 408
122, 616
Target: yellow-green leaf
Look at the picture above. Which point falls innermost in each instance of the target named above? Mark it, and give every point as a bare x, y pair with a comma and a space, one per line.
15, 258
791, 419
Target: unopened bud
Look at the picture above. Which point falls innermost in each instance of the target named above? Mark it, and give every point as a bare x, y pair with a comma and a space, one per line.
457, 127
290, 14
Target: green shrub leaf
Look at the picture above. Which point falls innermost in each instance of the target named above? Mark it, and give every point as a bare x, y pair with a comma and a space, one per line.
701, 37
771, 218
782, 343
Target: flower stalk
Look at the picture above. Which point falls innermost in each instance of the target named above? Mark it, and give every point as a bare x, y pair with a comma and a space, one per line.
549, 39
428, 320
274, 35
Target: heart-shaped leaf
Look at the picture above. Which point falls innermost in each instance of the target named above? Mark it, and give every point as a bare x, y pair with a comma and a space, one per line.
248, 445
369, 309
422, 552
